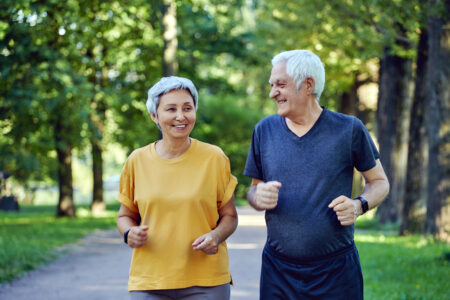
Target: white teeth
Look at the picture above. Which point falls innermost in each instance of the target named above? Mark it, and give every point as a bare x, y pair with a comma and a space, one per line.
180, 126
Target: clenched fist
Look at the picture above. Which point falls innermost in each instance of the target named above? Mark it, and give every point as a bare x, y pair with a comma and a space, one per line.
346, 210
266, 195
137, 236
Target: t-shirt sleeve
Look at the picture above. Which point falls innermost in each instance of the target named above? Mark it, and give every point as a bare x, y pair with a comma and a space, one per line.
126, 186
253, 165
228, 183
364, 151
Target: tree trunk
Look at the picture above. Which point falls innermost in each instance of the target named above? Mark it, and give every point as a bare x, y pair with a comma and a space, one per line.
413, 213
66, 206
98, 204
97, 117
169, 27
392, 121
437, 111
349, 100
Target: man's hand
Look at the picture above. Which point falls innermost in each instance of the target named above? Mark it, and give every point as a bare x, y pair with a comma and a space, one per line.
347, 210
207, 243
266, 194
137, 236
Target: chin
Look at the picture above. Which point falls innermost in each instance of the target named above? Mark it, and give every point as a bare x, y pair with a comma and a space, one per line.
282, 112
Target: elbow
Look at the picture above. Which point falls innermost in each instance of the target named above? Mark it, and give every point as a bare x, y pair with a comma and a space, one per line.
387, 187
235, 223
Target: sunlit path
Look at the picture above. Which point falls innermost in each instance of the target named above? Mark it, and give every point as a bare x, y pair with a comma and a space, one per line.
245, 247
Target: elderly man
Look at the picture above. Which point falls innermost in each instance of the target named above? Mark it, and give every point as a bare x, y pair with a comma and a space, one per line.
301, 162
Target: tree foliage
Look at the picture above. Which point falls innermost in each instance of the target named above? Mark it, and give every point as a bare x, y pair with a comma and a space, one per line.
75, 74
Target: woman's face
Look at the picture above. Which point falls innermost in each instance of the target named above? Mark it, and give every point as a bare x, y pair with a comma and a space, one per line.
176, 114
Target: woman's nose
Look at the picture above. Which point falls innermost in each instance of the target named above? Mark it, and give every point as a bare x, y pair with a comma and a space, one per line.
180, 115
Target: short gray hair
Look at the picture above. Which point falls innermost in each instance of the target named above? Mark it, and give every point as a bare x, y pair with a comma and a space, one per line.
301, 64
166, 85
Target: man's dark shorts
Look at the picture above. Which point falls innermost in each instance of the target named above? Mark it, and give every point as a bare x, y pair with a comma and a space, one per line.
336, 276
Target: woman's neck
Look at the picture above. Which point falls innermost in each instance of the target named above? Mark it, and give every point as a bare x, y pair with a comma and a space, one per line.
172, 148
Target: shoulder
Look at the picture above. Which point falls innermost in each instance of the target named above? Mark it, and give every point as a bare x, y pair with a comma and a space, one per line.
207, 149
341, 121
139, 152
338, 117
268, 122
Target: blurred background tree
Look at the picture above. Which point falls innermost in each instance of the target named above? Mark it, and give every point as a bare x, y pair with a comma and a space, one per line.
74, 78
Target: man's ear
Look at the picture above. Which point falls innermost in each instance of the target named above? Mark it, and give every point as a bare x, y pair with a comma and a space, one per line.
154, 118
310, 84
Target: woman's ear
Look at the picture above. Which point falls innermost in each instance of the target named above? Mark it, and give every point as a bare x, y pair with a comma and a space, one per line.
154, 118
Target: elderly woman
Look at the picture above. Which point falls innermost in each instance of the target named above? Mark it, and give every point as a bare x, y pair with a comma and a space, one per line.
177, 205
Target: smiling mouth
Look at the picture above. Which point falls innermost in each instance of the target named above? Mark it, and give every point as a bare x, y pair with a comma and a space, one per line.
180, 126
281, 101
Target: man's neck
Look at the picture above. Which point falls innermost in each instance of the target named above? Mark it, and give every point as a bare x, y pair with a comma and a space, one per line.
305, 119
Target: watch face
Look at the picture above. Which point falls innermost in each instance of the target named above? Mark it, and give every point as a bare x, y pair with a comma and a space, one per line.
364, 204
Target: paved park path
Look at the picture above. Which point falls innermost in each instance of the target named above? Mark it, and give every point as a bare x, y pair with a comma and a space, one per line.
96, 267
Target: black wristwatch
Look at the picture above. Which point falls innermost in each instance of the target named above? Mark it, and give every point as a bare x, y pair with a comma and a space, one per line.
125, 236
364, 204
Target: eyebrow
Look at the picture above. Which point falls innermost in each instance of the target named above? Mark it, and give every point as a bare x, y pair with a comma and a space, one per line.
173, 104
278, 81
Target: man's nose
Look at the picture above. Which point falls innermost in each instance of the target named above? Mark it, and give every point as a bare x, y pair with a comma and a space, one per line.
273, 92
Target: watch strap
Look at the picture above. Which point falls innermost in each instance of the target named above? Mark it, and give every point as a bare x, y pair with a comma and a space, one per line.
364, 204
125, 236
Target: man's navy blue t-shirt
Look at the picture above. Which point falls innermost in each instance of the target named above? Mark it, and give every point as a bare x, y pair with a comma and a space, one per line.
314, 169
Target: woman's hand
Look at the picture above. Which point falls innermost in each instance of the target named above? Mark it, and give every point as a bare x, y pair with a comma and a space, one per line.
207, 243
137, 236
228, 220
128, 219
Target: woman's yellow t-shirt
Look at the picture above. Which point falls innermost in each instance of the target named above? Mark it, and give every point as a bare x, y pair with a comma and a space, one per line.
179, 200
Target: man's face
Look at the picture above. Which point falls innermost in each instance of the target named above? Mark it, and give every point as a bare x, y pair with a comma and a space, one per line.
284, 91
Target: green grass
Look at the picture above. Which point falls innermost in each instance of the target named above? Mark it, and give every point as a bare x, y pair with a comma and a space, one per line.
411, 267
401, 267
31, 237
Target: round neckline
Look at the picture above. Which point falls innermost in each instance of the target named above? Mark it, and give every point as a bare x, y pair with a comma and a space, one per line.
175, 159
309, 132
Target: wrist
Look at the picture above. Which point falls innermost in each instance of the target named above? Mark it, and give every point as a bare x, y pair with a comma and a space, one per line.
215, 237
357, 207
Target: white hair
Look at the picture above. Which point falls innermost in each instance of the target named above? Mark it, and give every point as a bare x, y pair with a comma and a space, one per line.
166, 85
301, 64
